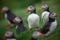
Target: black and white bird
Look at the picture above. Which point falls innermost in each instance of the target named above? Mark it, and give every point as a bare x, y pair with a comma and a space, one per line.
49, 17
33, 19
13, 19
9, 35
50, 23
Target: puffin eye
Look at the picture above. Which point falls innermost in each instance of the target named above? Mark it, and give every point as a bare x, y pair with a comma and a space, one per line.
30, 7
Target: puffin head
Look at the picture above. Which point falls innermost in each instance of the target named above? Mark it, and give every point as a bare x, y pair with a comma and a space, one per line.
8, 35
44, 7
31, 9
4, 9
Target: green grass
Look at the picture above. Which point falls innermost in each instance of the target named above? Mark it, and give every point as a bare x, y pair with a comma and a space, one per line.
22, 13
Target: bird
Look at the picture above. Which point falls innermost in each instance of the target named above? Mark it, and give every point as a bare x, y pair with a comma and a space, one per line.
50, 23
33, 19
9, 35
12, 19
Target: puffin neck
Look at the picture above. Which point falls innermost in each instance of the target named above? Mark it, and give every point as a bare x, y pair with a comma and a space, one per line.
32, 13
8, 11
46, 11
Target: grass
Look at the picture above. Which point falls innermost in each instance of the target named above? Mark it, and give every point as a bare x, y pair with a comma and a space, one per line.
22, 13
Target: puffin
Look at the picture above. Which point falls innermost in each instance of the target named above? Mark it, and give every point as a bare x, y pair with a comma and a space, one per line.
9, 35
12, 20
50, 23
33, 19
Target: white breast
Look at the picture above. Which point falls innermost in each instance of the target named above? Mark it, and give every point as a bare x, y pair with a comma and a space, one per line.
52, 28
45, 16
33, 20
5, 15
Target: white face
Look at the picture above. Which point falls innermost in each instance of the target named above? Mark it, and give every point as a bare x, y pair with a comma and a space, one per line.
44, 7
8, 34
11, 39
30, 8
18, 19
4, 9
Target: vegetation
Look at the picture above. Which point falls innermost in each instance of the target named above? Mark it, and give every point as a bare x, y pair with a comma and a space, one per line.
18, 7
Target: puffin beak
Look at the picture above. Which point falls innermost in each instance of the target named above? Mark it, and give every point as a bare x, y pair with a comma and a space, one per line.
1, 11
41, 8
14, 20
27, 10
55, 14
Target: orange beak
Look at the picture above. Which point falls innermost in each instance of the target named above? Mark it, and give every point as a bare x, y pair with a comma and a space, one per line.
55, 15
40, 8
27, 10
1, 11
